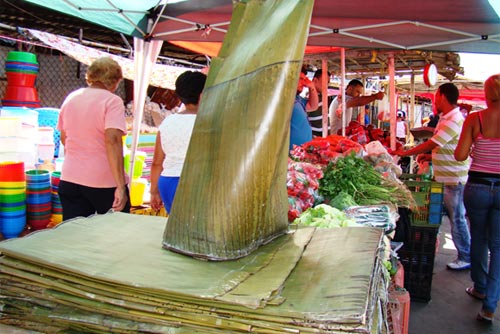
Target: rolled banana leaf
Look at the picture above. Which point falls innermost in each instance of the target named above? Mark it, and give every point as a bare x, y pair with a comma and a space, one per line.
232, 194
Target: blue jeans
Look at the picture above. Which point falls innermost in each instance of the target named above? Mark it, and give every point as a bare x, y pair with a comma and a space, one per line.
454, 205
483, 208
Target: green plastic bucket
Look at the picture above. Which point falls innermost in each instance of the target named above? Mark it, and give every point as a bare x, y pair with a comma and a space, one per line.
21, 56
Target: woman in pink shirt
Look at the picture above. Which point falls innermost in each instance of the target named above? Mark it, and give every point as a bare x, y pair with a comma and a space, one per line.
480, 138
92, 123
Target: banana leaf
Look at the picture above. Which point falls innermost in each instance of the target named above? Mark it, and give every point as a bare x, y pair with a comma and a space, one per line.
232, 196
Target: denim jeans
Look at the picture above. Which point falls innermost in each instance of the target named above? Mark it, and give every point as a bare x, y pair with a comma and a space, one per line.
454, 205
483, 208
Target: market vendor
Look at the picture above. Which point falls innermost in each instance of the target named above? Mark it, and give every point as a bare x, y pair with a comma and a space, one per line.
448, 170
354, 98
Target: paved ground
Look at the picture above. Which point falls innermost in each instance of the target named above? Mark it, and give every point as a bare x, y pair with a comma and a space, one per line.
451, 310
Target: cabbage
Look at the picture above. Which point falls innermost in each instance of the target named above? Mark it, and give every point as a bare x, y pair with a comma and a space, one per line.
324, 216
342, 201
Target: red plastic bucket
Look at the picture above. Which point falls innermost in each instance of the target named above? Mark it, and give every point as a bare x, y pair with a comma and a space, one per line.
20, 93
12, 172
21, 79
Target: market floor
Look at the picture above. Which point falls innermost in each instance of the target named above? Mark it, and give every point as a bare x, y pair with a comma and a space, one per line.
450, 310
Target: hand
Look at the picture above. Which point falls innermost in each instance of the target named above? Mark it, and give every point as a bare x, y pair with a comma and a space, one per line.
120, 198
155, 201
380, 95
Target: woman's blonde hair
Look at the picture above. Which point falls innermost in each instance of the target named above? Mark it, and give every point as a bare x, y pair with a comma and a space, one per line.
492, 88
106, 71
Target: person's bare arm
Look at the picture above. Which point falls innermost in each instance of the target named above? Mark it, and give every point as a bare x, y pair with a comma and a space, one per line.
63, 137
114, 152
363, 100
426, 146
466, 139
156, 168
313, 101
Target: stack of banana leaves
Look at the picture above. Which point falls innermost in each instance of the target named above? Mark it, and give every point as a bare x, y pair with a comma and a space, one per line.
109, 274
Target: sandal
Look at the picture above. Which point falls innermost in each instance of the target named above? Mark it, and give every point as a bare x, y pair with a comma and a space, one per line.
485, 316
474, 294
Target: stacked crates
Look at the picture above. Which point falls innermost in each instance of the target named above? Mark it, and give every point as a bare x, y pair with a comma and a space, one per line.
418, 253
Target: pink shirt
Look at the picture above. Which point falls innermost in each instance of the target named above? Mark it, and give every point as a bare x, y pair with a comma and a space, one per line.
85, 115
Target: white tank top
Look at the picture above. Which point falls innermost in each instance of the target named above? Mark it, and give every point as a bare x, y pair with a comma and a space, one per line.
175, 134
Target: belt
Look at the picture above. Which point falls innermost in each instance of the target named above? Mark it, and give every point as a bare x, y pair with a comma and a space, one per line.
483, 181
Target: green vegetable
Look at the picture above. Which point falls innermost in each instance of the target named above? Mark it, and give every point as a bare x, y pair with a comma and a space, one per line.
342, 201
357, 178
324, 216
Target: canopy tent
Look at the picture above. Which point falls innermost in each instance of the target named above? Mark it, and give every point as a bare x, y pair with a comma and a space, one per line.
384, 24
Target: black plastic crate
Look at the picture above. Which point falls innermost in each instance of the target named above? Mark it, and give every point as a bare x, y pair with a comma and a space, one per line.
417, 257
421, 240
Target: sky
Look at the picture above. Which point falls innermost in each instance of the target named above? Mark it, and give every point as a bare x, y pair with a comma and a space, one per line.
479, 66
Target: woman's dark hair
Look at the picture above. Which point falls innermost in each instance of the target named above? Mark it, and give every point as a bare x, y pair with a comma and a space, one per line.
450, 91
189, 86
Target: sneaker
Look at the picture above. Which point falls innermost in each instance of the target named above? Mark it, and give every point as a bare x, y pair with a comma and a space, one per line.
458, 265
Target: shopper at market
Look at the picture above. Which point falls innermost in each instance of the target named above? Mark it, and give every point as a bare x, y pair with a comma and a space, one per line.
92, 123
401, 127
481, 139
354, 98
448, 170
300, 129
316, 116
172, 141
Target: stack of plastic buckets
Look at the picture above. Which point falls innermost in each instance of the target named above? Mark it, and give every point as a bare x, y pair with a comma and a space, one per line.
38, 198
56, 201
12, 199
21, 69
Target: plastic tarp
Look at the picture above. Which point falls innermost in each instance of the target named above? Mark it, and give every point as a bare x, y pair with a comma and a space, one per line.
161, 76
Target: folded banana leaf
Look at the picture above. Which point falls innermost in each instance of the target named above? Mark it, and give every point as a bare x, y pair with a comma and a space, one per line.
232, 196
108, 274
126, 252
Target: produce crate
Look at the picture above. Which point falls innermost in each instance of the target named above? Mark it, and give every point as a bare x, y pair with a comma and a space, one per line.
429, 198
417, 257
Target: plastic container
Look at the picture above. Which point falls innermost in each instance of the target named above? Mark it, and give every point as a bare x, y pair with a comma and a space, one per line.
21, 93
429, 198
16, 144
399, 311
46, 152
21, 68
48, 117
140, 158
11, 227
417, 257
45, 135
28, 116
10, 126
137, 190
12, 172
22, 56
